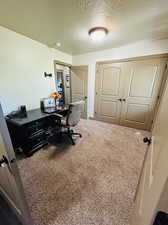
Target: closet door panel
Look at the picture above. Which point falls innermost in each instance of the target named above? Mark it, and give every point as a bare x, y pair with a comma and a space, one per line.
137, 112
142, 83
109, 81
108, 108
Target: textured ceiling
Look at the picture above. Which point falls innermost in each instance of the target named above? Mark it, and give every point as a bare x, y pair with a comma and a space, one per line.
68, 21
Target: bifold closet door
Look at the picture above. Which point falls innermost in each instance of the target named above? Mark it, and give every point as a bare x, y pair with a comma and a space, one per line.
109, 81
126, 93
141, 89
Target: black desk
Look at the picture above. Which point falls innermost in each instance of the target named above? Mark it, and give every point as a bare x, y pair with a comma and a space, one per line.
32, 132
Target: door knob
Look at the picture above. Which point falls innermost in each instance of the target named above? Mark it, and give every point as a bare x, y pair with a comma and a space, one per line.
85, 97
120, 99
147, 140
3, 161
123, 99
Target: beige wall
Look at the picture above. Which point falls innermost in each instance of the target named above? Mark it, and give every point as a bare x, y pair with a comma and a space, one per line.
132, 50
23, 62
22, 66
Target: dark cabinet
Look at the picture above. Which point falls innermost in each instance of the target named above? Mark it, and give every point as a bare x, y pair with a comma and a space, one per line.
32, 133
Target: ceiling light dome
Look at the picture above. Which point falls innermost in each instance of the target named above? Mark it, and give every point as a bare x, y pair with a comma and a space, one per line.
98, 33
58, 44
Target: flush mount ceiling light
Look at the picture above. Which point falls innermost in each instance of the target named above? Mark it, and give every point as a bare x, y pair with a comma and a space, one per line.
58, 44
98, 33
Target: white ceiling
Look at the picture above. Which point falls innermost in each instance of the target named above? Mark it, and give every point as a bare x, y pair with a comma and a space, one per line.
68, 21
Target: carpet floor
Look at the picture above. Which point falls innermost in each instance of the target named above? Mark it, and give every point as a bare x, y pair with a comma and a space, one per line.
91, 183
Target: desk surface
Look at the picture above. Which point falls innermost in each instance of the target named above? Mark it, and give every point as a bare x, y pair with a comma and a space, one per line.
34, 115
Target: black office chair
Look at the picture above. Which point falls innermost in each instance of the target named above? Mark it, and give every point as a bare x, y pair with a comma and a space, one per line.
72, 119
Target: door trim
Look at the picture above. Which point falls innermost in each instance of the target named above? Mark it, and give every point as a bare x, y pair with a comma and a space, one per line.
61, 63
136, 58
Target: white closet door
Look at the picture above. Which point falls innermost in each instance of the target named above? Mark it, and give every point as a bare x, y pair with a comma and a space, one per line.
109, 80
141, 89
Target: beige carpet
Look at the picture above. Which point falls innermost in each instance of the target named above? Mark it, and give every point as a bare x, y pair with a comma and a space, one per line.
91, 183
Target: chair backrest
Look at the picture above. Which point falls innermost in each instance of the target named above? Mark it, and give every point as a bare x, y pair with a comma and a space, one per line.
74, 113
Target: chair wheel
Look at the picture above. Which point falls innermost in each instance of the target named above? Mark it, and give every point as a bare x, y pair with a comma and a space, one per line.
80, 135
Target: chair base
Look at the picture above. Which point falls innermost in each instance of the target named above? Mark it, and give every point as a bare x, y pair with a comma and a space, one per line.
70, 134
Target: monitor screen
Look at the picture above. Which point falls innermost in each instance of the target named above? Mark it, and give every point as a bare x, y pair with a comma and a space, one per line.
49, 102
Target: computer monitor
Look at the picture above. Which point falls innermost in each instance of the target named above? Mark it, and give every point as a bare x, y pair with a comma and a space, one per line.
48, 102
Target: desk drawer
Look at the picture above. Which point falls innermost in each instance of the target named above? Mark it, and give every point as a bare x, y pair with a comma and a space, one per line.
35, 148
35, 127
36, 134
35, 143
